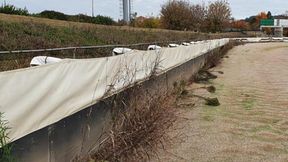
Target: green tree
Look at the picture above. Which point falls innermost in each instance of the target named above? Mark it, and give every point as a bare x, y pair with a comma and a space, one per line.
104, 20
269, 15
53, 15
11, 9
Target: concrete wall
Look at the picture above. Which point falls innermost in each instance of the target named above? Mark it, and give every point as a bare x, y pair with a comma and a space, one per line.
76, 135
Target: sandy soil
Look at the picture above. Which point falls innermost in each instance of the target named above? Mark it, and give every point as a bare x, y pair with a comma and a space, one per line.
252, 122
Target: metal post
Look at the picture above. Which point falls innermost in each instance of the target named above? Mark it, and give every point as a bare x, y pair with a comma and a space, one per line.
74, 53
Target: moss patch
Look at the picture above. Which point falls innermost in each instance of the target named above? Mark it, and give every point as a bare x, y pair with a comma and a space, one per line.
248, 103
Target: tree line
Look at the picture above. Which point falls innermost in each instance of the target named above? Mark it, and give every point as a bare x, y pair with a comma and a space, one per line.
183, 15
104, 20
252, 23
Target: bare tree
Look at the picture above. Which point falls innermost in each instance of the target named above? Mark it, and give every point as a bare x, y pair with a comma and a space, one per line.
198, 13
176, 15
218, 15
182, 15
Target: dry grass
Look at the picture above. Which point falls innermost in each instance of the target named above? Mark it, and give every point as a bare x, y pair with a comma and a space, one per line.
251, 122
56, 33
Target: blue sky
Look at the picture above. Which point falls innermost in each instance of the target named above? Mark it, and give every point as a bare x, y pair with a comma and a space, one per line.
240, 8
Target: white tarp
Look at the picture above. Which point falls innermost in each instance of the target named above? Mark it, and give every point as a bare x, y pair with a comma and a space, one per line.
36, 97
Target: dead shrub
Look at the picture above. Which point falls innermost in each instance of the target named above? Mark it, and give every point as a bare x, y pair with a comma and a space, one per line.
139, 127
180, 89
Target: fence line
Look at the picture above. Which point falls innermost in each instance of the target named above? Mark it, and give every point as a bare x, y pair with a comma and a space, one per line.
83, 47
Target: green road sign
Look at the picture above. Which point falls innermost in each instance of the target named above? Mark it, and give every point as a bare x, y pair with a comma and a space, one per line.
267, 22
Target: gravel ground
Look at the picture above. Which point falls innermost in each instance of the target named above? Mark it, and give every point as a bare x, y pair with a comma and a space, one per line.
251, 124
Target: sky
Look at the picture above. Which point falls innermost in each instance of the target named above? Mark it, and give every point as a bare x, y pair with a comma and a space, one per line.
240, 8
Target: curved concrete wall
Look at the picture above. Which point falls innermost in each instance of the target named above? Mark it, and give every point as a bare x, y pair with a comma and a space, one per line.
76, 134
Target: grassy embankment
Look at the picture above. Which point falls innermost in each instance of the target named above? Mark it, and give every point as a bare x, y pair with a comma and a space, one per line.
23, 32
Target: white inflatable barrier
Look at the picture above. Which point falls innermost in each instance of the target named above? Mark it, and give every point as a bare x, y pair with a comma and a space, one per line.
36, 97
173, 45
153, 47
43, 60
120, 51
185, 44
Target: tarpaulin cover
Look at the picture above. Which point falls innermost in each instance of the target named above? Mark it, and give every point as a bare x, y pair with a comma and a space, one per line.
36, 97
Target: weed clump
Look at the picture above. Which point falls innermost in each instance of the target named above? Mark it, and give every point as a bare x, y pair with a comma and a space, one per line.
204, 76
209, 101
212, 101
211, 89
180, 89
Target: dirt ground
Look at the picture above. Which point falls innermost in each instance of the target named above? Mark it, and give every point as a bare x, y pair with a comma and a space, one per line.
251, 124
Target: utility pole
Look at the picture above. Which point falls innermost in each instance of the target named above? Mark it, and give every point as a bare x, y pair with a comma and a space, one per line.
4, 2
92, 8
